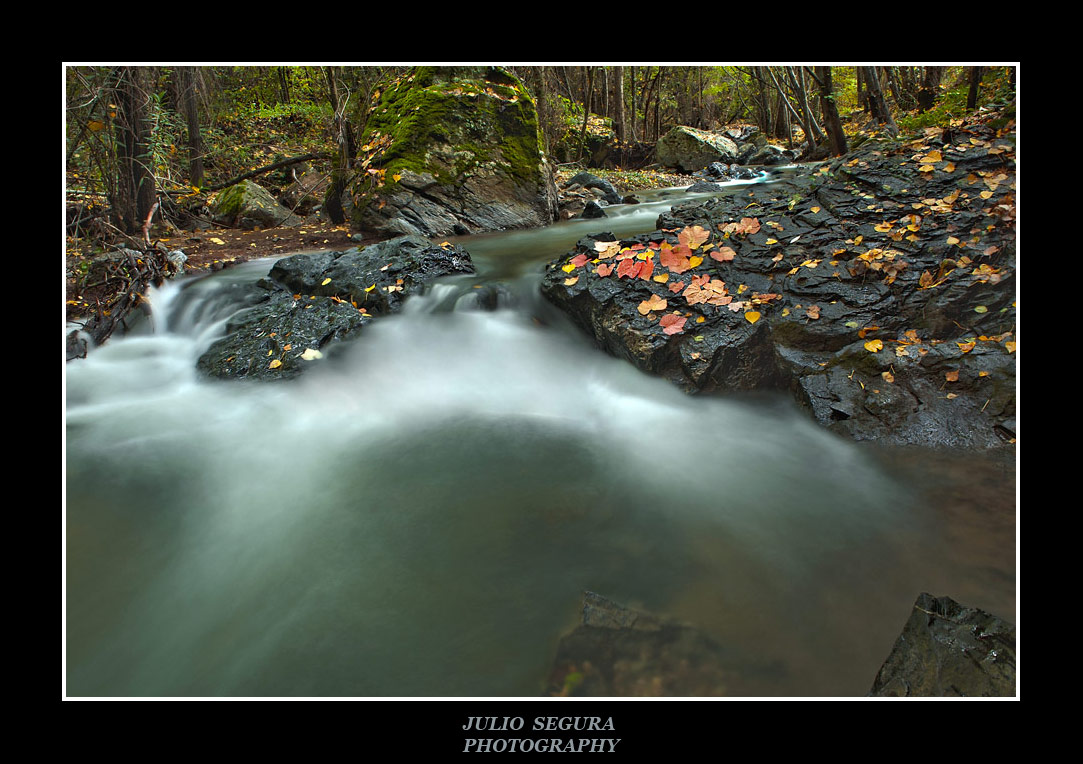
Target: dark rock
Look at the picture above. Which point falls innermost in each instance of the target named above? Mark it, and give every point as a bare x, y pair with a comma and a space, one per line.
768, 155
453, 150
948, 650
880, 294
704, 187
589, 180
592, 210
313, 300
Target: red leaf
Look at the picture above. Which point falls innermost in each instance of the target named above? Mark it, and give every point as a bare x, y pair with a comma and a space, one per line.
672, 323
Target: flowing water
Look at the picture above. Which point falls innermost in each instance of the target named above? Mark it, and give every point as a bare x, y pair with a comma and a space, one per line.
420, 514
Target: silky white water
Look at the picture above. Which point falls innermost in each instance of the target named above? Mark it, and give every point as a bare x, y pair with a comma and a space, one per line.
419, 514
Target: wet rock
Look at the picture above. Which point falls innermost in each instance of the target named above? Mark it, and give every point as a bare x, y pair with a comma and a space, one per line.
949, 650
592, 210
878, 290
311, 301
703, 187
589, 180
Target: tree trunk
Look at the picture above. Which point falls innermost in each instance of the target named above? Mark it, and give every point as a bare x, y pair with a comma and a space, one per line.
344, 139
930, 86
587, 98
876, 100
618, 107
135, 178
831, 113
975, 86
188, 81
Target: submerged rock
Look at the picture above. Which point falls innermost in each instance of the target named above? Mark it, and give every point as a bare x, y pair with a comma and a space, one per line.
947, 649
878, 290
620, 652
311, 301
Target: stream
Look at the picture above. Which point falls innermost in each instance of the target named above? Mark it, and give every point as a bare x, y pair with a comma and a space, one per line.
419, 515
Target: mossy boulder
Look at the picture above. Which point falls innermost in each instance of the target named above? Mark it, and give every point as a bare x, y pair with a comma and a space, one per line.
452, 150
690, 150
249, 205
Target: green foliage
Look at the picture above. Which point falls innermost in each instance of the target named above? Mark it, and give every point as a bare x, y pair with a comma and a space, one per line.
951, 104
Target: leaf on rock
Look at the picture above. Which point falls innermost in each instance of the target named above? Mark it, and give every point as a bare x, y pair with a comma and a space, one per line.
605, 269
874, 346
672, 323
274, 364
725, 254
654, 302
580, 260
571, 281
752, 316
693, 236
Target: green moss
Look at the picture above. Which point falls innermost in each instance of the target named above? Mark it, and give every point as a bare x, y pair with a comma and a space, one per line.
229, 202
459, 109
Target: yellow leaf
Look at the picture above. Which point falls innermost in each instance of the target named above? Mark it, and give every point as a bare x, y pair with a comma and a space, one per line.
397, 177
216, 240
1010, 346
274, 364
887, 376
700, 319
981, 309
325, 282
815, 209
95, 125
874, 346
966, 347
694, 261
567, 268
661, 278
569, 282
752, 316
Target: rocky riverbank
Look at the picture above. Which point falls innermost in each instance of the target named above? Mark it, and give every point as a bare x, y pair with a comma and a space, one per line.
878, 289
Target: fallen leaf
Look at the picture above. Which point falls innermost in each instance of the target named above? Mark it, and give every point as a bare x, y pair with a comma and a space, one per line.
274, 364
752, 316
569, 282
654, 302
311, 354
672, 323
874, 346
951, 376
